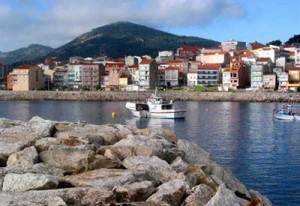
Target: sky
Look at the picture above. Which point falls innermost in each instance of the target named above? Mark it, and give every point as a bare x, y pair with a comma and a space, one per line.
56, 22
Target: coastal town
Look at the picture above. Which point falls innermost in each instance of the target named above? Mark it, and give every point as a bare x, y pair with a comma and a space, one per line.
233, 65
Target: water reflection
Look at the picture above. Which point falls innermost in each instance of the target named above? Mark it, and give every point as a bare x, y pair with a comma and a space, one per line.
263, 153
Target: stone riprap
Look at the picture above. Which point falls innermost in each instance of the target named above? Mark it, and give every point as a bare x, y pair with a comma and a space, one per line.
183, 95
62, 163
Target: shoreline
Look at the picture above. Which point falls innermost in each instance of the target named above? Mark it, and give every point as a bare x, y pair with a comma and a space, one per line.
134, 96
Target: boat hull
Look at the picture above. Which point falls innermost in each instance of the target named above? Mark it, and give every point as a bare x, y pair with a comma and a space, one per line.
165, 114
284, 117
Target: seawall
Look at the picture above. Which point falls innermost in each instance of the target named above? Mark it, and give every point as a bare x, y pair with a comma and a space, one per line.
132, 96
45, 162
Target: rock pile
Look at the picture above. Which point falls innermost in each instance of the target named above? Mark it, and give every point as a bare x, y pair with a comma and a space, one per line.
44, 162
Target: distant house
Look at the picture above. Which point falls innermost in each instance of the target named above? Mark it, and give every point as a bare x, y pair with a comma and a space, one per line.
233, 45
188, 52
171, 77
240, 74
27, 77
165, 56
255, 45
269, 81
214, 58
60, 77
4, 71
75, 72
283, 81
192, 79
294, 78
181, 65
91, 75
226, 79
161, 78
148, 73
209, 74
257, 72
134, 74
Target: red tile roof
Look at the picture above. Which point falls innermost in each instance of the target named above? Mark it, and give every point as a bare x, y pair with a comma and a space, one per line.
210, 66
215, 53
191, 48
25, 66
256, 45
263, 59
146, 61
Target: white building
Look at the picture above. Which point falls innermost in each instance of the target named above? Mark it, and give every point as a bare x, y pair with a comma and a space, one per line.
165, 56
268, 52
226, 79
297, 57
148, 74
233, 45
171, 76
214, 58
192, 79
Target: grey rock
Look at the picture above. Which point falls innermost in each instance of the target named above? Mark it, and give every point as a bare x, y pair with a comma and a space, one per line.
224, 197
135, 192
148, 203
72, 160
157, 132
58, 197
170, 192
193, 153
179, 165
104, 178
40, 168
45, 143
41, 126
151, 168
26, 157
29, 181
200, 195
195, 175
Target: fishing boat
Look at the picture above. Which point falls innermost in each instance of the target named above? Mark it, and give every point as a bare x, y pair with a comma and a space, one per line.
155, 107
287, 112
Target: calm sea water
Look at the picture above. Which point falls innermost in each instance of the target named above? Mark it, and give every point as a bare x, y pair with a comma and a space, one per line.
263, 153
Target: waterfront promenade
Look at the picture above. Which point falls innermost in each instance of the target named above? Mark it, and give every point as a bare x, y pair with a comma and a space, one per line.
182, 95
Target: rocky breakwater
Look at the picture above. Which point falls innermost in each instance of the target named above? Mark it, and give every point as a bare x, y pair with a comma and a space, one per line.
44, 162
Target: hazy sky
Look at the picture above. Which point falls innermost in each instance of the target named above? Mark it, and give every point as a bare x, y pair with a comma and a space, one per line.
56, 22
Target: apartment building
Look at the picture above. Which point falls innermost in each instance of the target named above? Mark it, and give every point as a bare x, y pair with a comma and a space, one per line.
148, 73
208, 74
26, 78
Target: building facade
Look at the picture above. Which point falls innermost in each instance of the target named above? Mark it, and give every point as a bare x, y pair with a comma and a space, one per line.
27, 77
208, 74
148, 74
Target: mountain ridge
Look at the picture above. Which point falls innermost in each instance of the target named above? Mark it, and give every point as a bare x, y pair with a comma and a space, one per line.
114, 40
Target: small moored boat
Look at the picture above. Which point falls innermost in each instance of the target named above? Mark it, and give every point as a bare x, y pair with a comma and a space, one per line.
287, 113
155, 107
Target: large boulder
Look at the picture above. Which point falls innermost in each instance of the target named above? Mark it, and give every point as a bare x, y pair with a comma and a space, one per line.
259, 199
29, 181
40, 168
152, 168
224, 197
200, 195
96, 135
42, 127
157, 132
58, 197
104, 178
140, 145
195, 175
193, 153
179, 165
171, 192
26, 157
138, 191
70, 159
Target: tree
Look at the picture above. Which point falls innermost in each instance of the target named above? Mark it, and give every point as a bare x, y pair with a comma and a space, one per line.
293, 40
275, 42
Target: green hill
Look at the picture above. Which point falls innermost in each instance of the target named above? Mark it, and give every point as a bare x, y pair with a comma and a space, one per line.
26, 54
125, 38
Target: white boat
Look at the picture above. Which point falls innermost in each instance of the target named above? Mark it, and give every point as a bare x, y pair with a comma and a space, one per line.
287, 113
155, 107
